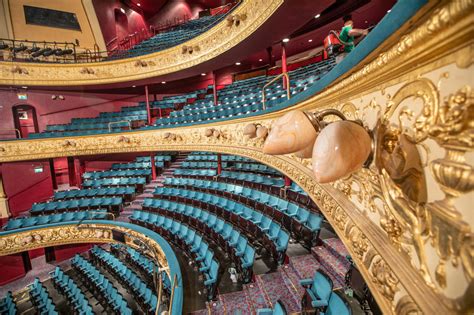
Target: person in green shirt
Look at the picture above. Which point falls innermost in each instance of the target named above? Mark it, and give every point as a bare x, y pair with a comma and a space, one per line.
348, 33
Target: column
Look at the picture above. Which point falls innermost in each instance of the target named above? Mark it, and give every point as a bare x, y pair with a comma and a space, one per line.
49, 254
71, 171
271, 62
53, 174
4, 210
153, 168
148, 111
219, 164
283, 62
25, 256
214, 87
79, 168
287, 181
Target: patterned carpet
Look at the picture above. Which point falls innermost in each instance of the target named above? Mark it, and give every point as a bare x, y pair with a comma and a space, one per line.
305, 266
236, 303
284, 283
292, 280
336, 247
275, 288
256, 296
333, 261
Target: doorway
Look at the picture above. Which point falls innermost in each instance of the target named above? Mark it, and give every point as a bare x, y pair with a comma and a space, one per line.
24, 117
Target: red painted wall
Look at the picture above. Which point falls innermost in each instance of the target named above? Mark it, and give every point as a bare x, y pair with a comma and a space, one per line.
23, 186
176, 9
12, 268
65, 252
105, 10
48, 111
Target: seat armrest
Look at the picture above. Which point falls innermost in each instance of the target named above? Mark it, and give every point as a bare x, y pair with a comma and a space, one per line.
319, 303
306, 282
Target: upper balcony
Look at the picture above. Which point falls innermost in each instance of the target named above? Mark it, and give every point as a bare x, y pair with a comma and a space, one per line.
191, 48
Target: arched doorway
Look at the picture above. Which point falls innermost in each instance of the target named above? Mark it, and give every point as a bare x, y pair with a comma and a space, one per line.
25, 120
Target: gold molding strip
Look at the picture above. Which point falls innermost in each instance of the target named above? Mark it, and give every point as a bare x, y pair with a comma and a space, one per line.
218, 40
72, 234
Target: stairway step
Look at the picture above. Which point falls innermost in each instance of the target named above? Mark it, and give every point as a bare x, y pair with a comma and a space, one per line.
292, 280
236, 303
336, 247
335, 267
256, 296
275, 288
305, 266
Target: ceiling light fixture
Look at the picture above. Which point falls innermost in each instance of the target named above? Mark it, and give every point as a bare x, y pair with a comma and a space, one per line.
310, 40
237, 63
134, 86
139, 4
163, 82
203, 74
285, 40
260, 60
317, 16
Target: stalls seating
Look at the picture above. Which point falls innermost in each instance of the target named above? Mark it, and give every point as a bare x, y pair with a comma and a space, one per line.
137, 182
186, 238
318, 291
41, 300
246, 218
8, 305
125, 192
76, 299
97, 282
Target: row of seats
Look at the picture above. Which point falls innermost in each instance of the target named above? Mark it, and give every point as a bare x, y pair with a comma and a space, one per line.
223, 233
8, 305
170, 38
142, 262
245, 217
237, 99
125, 192
142, 293
189, 240
113, 204
158, 158
137, 182
41, 300
319, 296
205, 156
194, 172
244, 97
271, 184
255, 168
97, 282
291, 215
137, 165
117, 173
23, 222
66, 285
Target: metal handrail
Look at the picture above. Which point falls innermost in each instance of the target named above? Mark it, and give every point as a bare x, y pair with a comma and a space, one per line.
175, 281
17, 131
288, 94
120, 121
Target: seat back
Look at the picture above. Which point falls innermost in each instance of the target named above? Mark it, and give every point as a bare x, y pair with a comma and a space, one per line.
338, 305
322, 285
